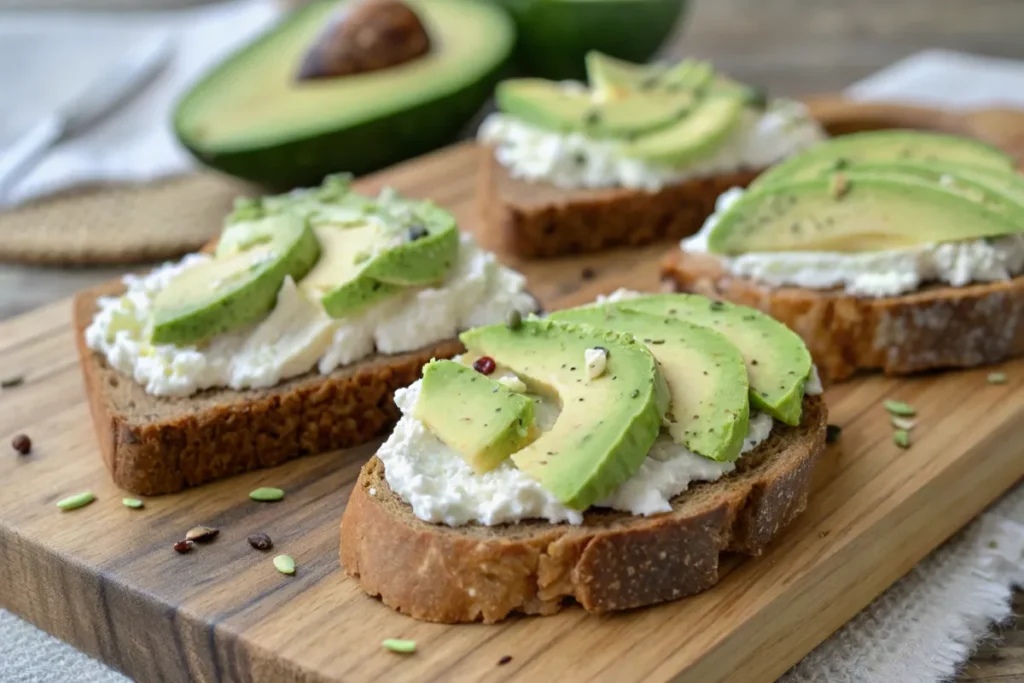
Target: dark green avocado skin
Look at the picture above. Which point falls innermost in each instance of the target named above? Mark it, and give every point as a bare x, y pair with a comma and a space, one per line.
554, 35
358, 149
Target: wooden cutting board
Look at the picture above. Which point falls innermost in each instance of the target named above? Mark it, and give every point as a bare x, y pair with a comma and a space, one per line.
105, 578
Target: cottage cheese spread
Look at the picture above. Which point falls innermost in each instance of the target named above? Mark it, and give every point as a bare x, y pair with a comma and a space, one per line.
575, 160
297, 335
877, 273
441, 488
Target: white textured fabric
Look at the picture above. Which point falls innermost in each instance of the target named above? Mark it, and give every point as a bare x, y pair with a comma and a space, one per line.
921, 629
47, 58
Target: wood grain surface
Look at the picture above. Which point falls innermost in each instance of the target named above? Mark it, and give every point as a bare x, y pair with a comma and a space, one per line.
105, 578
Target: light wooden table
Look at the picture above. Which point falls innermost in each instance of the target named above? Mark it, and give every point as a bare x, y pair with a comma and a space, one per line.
792, 47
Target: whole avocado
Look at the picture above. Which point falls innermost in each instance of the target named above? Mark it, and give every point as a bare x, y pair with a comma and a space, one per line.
555, 35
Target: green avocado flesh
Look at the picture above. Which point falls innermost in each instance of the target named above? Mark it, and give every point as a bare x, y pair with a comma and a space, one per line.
693, 137
778, 362
238, 286
998, 191
883, 146
706, 376
550, 106
612, 76
870, 213
251, 117
477, 417
606, 425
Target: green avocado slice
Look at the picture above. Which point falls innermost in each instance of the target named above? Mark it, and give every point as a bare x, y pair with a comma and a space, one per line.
611, 76
706, 376
882, 146
549, 105
778, 362
852, 212
479, 418
606, 425
238, 286
693, 137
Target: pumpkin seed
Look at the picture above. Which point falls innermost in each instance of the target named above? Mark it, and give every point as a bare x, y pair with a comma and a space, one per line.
997, 378
404, 647
133, 503
899, 408
266, 494
79, 500
285, 564
201, 534
901, 437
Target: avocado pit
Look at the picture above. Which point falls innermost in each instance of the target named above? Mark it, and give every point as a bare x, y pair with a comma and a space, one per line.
370, 36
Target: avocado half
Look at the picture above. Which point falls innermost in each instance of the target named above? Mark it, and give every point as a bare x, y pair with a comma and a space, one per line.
555, 35
250, 117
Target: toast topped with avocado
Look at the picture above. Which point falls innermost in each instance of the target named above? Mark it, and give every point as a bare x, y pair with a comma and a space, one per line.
637, 154
607, 454
894, 250
288, 339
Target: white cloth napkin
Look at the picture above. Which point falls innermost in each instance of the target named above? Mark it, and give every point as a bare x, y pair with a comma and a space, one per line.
46, 58
920, 630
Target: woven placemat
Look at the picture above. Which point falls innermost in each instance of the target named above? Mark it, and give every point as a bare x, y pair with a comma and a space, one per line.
119, 224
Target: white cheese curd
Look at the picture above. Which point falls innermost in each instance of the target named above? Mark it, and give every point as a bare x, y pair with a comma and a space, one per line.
512, 383
882, 273
596, 360
297, 336
442, 489
574, 160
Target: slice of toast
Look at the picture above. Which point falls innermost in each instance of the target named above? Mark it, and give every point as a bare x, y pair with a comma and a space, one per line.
613, 561
154, 445
534, 220
933, 328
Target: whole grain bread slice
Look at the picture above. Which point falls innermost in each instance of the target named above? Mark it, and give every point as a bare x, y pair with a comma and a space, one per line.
155, 445
535, 220
933, 328
613, 561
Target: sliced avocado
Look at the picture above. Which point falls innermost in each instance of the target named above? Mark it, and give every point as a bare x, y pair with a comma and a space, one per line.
999, 191
870, 213
879, 146
778, 362
238, 286
339, 278
251, 118
616, 78
549, 105
477, 417
606, 425
706, 376
694, 136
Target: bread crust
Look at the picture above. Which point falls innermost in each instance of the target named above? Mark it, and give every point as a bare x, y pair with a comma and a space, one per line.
534, 220
936, 327
613, 561
153, 445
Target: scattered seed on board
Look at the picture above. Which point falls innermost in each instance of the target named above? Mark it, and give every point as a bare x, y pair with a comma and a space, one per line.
504, 660
201, 534
79, 500
184, 546
11, 382
899, 408
997, 378
22, 444
133, 503
261, 541
903, 422
404, 647
266, 494
285, 564
901, 437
